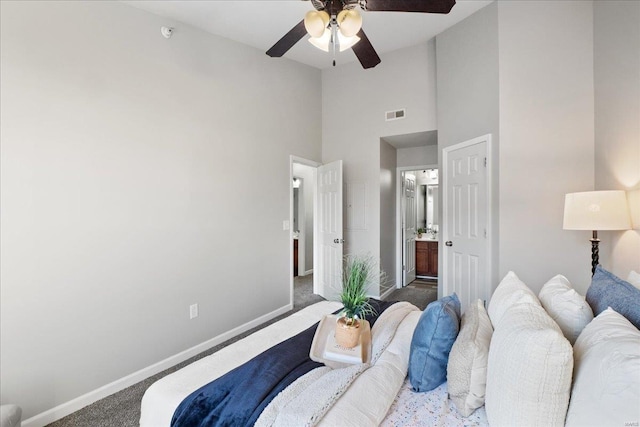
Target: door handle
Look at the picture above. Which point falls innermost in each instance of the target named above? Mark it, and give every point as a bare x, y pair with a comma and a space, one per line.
448, 243
338, 240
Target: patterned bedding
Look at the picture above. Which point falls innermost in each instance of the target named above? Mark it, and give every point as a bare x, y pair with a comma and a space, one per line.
433, 408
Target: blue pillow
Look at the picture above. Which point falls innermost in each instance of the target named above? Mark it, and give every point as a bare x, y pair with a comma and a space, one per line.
432, 340
607, 290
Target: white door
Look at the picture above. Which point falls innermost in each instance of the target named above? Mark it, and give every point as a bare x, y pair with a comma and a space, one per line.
409, 219
327, 277
466, 234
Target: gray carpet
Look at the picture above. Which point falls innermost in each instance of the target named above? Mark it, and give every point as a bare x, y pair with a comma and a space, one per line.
122, 409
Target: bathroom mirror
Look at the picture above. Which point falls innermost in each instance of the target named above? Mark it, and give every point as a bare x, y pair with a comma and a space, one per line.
431, 207
426, 199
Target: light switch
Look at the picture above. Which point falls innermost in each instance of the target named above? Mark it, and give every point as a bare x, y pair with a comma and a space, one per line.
285, 224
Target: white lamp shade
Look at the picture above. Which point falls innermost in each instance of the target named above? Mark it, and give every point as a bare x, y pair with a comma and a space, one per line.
315, 22
349, 22
596, 210
633, 197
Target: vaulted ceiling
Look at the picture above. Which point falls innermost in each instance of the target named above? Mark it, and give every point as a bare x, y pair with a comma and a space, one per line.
261, 23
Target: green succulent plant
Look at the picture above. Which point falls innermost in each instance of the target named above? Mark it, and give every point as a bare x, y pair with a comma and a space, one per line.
358, 274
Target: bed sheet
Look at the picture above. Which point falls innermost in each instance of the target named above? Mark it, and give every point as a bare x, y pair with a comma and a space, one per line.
433, 409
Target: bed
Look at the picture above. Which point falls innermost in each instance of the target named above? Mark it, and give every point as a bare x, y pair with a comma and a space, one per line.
526, 359
389, 402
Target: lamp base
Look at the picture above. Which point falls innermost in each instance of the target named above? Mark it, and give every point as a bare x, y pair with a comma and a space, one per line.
595, 252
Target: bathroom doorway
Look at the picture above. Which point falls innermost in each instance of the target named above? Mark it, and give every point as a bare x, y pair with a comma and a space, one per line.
418, 226
302, 225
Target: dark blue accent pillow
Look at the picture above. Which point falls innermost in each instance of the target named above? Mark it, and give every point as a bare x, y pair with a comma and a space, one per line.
608, 290
432, 340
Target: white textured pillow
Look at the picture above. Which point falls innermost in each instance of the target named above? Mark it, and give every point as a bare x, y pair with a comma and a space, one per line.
567, 307
510, 291
467, 367
634, 279
606, 388
529, 371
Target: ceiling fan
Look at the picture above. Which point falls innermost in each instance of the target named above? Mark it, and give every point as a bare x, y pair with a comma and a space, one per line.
337, 24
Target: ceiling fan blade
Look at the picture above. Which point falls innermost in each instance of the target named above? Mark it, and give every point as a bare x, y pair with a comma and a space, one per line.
365, 52
288, 40
425, 6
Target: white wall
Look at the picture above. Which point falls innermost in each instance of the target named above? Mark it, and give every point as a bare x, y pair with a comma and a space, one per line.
353, 105
523, 71
308, 193
388, 161
546, 137
418, 156
617, 120
468, 89
121, 201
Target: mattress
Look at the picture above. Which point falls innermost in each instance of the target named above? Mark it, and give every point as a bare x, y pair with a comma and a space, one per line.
408, 409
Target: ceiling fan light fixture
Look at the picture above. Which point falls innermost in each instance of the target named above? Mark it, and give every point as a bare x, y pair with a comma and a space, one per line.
323, 41
349, 22
347, 42
315, 22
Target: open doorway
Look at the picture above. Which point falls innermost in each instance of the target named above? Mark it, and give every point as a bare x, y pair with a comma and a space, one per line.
418, 226
316, 232
302, 203
302, 223
411, 153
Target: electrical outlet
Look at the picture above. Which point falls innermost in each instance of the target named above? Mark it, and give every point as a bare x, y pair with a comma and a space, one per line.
193, 311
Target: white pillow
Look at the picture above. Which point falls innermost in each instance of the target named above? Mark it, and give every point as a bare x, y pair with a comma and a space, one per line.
510, 291
529, 371
634, 279
606, 388
567, 307
467, 367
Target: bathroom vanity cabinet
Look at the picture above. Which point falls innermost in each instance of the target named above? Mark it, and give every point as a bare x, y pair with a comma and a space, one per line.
427, 258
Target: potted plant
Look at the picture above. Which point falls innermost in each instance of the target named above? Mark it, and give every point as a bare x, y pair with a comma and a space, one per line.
358, 273
421, 231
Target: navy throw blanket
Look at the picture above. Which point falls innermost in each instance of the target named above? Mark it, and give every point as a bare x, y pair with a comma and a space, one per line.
238, 397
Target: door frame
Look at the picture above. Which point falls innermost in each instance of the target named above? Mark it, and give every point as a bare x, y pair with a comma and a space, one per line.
313, 164
444, 228
399, 243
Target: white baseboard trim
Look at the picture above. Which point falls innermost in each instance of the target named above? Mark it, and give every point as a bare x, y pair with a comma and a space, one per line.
308, 272
60, 411
387, 292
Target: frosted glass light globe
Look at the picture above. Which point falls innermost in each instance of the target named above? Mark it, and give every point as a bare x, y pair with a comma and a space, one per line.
349, 22
315, 22
323, 41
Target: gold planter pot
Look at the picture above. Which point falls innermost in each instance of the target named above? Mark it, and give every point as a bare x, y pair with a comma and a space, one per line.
347, 336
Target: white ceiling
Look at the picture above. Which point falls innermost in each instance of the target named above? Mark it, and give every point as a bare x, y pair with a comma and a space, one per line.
261, 23
409, 140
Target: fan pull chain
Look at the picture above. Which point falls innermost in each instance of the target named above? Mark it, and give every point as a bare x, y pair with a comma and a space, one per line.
334, 39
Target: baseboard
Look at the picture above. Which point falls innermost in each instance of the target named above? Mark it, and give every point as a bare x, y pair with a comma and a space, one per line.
61, 411
308, 272
387, 292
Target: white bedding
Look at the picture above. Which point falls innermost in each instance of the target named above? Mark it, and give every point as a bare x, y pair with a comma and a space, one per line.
336, 397
163, 397
408, 409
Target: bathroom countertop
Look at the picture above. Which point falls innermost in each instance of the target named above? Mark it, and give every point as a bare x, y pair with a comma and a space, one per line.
426, 239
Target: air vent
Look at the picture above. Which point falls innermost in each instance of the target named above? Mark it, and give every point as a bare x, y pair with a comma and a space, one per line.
395, 115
